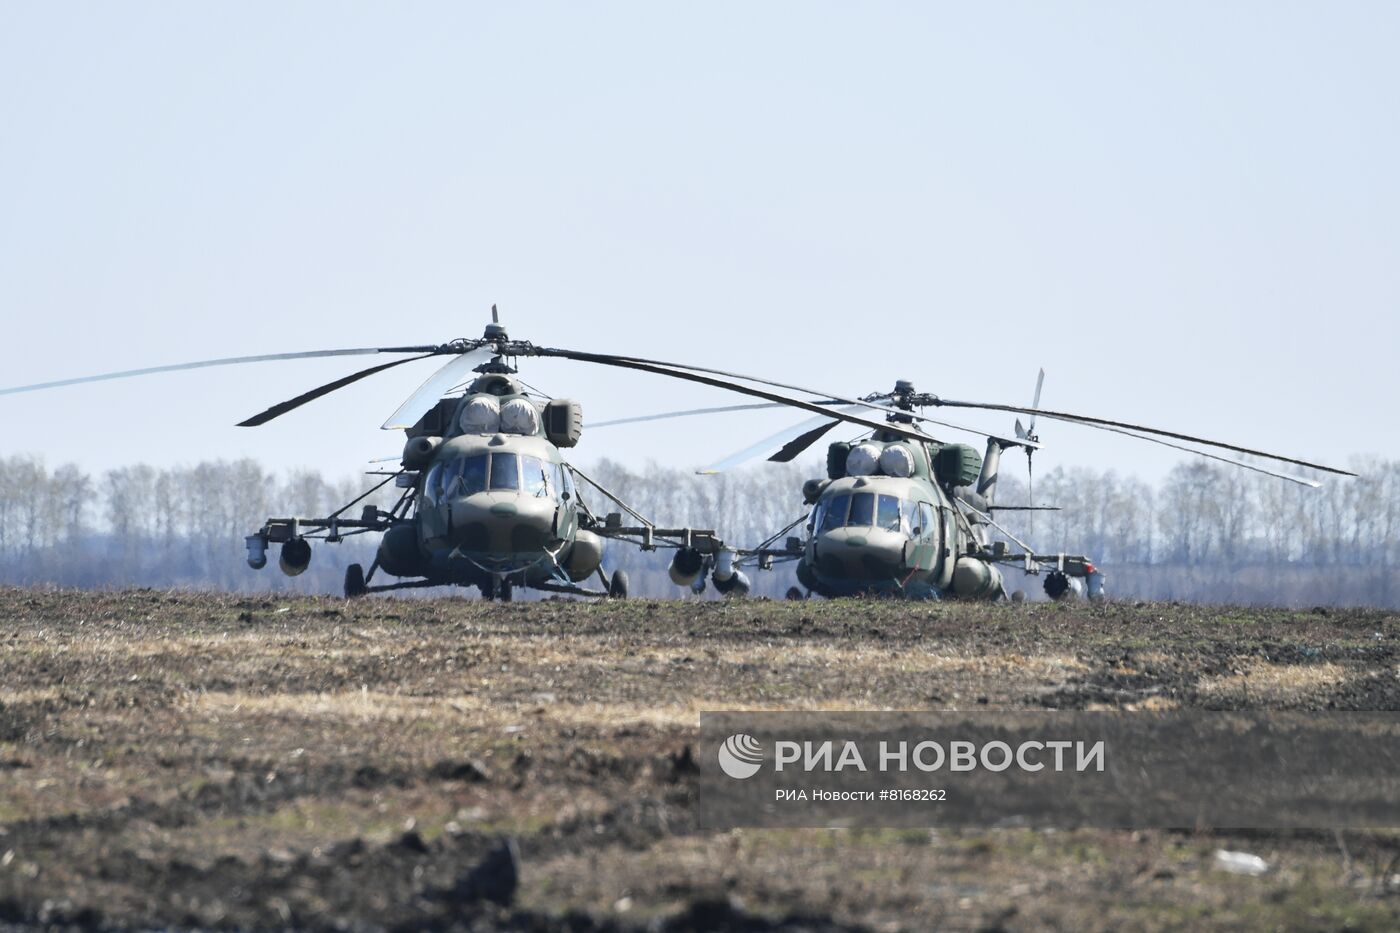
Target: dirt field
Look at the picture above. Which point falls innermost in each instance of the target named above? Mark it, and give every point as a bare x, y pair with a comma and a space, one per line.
207, 761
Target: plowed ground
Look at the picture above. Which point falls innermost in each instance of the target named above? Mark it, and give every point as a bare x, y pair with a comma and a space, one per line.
208, 761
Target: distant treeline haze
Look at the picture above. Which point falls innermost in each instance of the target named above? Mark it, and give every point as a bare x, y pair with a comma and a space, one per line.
1206, 532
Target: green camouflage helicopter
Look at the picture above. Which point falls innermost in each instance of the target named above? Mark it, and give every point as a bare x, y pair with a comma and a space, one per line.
488, 499
902, 513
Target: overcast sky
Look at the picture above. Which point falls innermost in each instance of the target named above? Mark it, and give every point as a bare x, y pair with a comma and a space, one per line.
1186, 212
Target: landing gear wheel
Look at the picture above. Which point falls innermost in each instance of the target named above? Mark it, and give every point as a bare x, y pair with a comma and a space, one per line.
355, 582
496, 589
794, 593
617, 587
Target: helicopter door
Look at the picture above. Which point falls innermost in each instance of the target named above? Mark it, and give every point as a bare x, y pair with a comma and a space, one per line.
947, 545
566, 513
924, 535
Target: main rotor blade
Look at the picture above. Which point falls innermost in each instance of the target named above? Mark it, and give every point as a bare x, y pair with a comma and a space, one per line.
800, 443
202, 364
677, 370
438, 384
1209, 456
680, 372
792, 440
1057, 415
281, 408
723, 409
659, 369
832, 398
1106, 424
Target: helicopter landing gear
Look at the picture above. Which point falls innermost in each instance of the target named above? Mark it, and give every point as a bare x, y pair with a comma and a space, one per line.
355, 582
794, 593
617, 586
498, 588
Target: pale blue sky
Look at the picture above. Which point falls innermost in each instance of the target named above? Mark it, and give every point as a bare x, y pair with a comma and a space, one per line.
1186, 212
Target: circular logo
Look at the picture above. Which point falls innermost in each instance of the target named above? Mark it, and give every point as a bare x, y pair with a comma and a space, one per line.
740, 756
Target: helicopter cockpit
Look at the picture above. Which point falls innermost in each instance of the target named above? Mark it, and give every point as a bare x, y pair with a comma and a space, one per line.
496, 471
877, 510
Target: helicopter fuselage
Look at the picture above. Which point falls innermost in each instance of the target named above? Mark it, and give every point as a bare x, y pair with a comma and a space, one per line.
502, 504
875, 533
494, 500
872, 534
489, 502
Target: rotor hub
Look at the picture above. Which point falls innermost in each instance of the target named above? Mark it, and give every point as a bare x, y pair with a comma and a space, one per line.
496, 365
902, 397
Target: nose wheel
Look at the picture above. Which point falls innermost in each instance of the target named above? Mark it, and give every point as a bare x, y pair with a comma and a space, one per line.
355, 582
502, 590
617, 586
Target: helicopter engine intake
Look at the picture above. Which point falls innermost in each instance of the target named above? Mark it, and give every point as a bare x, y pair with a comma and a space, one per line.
896, 460
863, 460
481, 415
518, 416
418, 452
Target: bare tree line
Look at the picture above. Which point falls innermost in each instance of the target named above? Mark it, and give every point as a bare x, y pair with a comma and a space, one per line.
143, 526
1217, 533
1206, 532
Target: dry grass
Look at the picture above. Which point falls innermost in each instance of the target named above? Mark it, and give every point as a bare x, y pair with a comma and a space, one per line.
176, 761
1267, 682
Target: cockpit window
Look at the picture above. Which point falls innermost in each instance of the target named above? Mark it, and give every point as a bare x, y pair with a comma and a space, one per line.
453, 478
533, 477
926, 517
563, 481
505, 471
911, 518
473, 474
888, 515
835, 514
862, 508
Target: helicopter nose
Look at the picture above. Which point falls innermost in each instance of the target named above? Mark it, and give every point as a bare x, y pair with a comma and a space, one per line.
497, 521
860, 553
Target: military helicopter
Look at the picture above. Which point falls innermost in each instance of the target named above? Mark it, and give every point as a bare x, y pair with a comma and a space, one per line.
488, 499
902, 513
